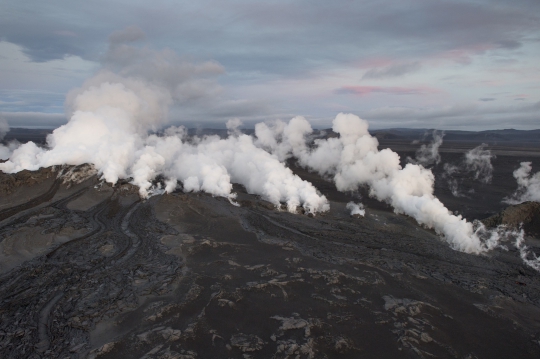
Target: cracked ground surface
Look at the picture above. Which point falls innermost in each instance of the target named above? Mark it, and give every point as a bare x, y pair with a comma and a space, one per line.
91, 271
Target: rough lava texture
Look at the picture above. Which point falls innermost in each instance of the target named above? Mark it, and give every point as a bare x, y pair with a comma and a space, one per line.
91, 270
11, 182
526, 215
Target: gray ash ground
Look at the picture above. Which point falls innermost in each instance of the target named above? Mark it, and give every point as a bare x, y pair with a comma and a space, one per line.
90, 271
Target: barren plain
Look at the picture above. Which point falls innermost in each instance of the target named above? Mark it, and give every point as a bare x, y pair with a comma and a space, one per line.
89, 270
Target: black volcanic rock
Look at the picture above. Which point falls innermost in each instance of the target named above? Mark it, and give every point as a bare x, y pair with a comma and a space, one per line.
10, 182
23, 135
526, 214
89, 270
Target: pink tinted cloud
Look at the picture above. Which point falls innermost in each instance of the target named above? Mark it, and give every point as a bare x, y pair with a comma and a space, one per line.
461, 55
393, 90
520, 97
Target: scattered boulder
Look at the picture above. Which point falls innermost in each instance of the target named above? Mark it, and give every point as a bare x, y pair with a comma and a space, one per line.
247, 342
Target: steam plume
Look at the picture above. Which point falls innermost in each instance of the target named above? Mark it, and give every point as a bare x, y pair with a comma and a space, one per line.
356, 209
112, 113
449, 171
529, 257
5, 151
528, 185
428, 154
478, 161
353, 160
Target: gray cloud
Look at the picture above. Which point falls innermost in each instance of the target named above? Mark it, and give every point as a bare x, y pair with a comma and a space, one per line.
486, 99
41, 29
467, 116
187, 81
509, 44
300, 32
129, 34
269, 42
392, 71
38, 101
217, 113
366, 90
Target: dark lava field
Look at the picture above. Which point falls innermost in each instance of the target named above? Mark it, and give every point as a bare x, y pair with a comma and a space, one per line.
89, 270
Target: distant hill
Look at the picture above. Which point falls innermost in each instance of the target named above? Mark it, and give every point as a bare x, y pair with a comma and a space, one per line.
37, 135
491, 137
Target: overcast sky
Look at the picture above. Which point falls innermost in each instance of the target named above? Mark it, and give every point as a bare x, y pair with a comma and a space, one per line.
409, 63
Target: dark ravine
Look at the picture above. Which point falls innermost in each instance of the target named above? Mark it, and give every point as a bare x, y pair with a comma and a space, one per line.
191, 276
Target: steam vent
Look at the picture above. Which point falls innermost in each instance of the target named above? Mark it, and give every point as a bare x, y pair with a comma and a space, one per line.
270, 179
95, 270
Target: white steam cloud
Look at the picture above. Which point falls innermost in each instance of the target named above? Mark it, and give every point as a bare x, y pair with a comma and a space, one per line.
5, 151
233, 126
528, 185
112, 113
529, 257
428, 154
449, 171
353, 160
356, 209
476, 163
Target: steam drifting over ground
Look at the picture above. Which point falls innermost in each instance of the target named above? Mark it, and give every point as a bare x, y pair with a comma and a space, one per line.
353, 160
528, 185
211, 164
5, 151
356, 209
477, 164
428, 154
113, 112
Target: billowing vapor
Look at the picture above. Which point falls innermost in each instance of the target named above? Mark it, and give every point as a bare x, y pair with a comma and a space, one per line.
356, 209
353, 160
110, 117
449, 171
528, 185
5, 151
478, 162
428, 154
529, 257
